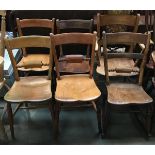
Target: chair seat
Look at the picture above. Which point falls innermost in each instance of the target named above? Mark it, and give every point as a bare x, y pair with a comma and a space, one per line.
74, 67
153, 56
76, 88
31, 88
117, 63
32, 58
121, 93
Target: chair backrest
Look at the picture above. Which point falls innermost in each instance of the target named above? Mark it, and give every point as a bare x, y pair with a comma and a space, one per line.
120, 19
74, 25
35, 27
2, 36
2, 46
23, 42
73, 38
126, 38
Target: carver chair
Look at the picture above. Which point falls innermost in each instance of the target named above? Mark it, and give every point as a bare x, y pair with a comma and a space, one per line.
68, 26
29, 89
75, 88
112, 24
127, 95
35, 27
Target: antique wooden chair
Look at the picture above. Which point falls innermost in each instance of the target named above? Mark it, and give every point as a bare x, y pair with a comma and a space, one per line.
130, 94
29, 89
68, 26
35, 27
3, 136
111, 24
73, 88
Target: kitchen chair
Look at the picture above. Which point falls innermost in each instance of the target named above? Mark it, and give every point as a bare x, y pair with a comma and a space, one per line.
35, 27
130, 94
29, 89
68, 26
2, 50
73, 88
112, 24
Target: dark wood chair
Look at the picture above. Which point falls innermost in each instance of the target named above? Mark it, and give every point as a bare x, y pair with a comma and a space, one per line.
112, 24
35, 25
123, 94
29, 89
73, 88
69, 26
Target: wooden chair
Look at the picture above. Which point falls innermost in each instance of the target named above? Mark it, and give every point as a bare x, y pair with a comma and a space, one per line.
29, 89
35, 26
121, 94
68, 26
3, 135
122, 23
75, 87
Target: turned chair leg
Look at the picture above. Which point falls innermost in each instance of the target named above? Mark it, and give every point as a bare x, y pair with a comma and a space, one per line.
99, 109
57, 107
10, 118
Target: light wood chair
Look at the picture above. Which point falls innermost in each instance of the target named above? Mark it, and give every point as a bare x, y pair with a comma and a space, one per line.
34, 27
69, 26
121, 94
75, 87
29, 89
122, 23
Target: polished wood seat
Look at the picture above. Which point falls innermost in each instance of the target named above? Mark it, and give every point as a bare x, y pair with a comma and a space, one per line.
69, 26
33, 88
76, 88
129, 23
128, 94
44, 24
153, 56
122, 93
29, 89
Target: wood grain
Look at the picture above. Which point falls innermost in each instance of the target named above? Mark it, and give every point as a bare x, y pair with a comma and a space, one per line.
117, 63
73, 88
31, 88
121, 93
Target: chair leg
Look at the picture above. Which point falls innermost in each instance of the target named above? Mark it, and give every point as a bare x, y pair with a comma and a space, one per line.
10, 118
17, 108
57, 107
51, 109
4, 111
149, 117
99, 108
106, 118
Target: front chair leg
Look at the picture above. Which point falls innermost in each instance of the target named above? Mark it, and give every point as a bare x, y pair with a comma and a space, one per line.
51, 109
57, 107
10, 118
99, 109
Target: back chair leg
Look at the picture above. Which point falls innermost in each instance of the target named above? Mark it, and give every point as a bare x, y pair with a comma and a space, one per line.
149, 115
10, 118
